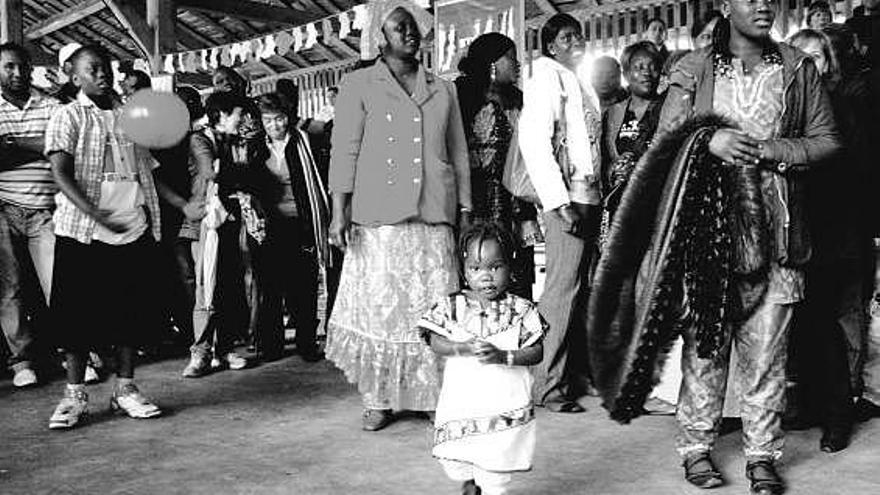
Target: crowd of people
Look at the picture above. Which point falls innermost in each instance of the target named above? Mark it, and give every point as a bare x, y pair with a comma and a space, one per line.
718, 204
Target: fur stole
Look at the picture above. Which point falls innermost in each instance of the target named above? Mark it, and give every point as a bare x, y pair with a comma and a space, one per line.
687, 249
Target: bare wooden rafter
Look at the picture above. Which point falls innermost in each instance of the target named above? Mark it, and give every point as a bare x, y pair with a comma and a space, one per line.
64, 18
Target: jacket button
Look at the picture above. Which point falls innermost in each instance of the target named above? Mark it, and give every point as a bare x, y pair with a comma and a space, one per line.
417, 160
782, 167
417, 140
417, 119
417, 181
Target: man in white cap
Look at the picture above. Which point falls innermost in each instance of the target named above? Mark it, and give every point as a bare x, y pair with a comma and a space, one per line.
67, 92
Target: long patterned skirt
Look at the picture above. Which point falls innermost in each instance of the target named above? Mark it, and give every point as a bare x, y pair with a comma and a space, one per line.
391, 276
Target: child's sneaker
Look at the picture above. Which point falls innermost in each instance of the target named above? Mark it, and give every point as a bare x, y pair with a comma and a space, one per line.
24, 377
229, 360
199, 365
92, 375
129, 400
70, 410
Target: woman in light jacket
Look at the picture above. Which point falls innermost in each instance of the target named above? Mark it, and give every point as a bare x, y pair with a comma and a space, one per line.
399, 180
569, 193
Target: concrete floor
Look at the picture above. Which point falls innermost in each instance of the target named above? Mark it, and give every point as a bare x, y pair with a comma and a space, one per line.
294, 428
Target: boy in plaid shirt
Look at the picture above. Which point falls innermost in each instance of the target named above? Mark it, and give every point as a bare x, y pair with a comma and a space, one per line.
106, 224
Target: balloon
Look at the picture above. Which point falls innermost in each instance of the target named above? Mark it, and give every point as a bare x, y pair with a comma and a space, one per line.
155, 119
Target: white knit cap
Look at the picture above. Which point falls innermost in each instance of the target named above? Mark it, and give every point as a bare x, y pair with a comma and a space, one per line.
66, 51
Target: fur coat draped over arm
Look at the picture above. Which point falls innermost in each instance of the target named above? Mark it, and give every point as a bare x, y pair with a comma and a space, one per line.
687, 249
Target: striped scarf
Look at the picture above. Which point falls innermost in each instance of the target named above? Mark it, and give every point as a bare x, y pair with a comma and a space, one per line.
318, 201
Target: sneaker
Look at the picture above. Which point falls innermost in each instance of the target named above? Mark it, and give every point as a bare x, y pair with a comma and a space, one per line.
130, 401
198, 366
24, 377
92, 375
71, 409
229, 360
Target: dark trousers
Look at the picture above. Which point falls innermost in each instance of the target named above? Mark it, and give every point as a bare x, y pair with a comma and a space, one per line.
292, 283
235, 313
819, 341
562, 374
179, 285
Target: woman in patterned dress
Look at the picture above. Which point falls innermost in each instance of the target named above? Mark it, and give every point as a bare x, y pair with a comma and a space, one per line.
400, 179
490, 105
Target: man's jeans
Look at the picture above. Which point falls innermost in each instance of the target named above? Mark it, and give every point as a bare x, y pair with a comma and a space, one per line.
27, 246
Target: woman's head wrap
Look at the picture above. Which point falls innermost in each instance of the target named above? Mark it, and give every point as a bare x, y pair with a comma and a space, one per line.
377, 12
483, 52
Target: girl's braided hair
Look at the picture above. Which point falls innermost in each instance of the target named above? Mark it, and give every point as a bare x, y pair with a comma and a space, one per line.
485, 231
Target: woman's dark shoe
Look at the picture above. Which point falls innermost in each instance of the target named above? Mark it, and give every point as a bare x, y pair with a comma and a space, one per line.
470, 487
835, 438
376, 419
764, 478
564, 406
700, 471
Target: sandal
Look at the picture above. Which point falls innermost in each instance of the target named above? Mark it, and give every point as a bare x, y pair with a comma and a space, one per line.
706, 477
568, 406
765, 480
376, 419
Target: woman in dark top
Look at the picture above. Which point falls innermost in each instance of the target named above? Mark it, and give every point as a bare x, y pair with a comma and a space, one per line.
490, 104
629, 126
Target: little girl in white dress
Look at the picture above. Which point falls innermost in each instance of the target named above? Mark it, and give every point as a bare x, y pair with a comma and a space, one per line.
485, 419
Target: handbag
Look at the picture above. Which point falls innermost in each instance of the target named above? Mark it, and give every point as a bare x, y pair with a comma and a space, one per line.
516, 177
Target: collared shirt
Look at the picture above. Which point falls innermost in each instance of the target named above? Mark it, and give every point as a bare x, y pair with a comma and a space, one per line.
754, 101
29, 185
79, 129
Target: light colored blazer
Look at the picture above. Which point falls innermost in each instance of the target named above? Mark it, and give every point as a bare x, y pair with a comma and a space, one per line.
541, 109
403, 158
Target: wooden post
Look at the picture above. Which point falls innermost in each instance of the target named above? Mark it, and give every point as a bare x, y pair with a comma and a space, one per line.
161, 18
11, 27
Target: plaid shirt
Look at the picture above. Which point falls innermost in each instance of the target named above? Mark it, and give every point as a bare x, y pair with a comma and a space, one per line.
29, 185
78, 128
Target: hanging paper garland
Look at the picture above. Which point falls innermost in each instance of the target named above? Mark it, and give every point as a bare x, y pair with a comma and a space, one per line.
327, 30
256, 49
360, 17
169, 64
268, 47
226, 55
283, 42
203, 60
311, 35
344, 25
297, 39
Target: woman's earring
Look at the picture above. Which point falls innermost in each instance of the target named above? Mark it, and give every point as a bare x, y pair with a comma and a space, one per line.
492, 72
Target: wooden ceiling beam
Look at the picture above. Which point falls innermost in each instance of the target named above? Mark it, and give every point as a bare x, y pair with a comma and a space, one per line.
64, 18
254, 11
11, 27
326, 52
134, 23
546, 6
86, 32
344, 47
